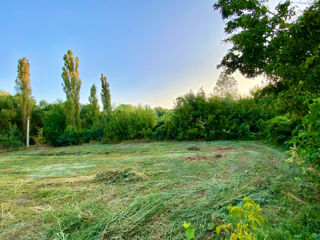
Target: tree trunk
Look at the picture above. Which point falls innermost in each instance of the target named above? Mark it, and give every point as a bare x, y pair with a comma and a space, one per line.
27, 140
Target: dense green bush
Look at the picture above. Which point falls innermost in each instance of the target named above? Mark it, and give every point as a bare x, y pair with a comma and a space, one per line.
307, 142
54, 123
88, 119
11, 138
9, 112
165, 128
70, 136
279, 130
92, 134
129, 122
198, 117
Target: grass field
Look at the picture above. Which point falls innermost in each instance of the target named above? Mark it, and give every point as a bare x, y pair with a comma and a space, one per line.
147, 191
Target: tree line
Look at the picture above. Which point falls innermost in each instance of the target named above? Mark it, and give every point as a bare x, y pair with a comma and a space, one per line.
20, 110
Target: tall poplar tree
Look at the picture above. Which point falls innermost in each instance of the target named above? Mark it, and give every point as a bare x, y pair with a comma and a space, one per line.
94, 107
24, 89
105, 93
71, 86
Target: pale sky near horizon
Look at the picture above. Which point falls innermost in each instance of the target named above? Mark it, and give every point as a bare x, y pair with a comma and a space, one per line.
150, 51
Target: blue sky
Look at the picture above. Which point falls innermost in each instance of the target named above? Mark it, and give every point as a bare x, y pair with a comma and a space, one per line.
150, 51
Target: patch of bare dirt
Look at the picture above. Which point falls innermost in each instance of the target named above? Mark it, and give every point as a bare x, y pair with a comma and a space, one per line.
193, 148
5, 170
196, 157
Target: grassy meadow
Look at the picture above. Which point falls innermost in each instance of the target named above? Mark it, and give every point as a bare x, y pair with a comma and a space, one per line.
147, 190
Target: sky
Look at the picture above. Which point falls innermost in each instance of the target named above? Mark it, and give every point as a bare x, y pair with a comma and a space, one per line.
150, 51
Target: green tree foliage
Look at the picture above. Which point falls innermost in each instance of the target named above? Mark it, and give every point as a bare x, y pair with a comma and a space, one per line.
11, 137
276, 43
85, 116
283, 45
38, 114
54, 123
226, 85
279, 129
105, 93
9, 112
70, 136
71, 86
129, 122
307, 142
24, 89
161, 111
92, 125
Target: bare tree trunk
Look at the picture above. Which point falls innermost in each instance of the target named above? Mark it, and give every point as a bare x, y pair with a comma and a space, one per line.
27, 140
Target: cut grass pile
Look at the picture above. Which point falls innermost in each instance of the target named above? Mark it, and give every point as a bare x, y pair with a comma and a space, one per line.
147, 191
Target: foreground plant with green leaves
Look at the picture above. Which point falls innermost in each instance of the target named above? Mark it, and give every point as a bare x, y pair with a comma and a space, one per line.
246, 219
189, 230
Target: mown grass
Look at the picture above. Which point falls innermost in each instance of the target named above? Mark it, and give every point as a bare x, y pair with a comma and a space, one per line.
147, 191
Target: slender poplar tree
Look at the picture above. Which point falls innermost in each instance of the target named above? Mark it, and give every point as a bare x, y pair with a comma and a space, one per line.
71, 86
24, 89
94, 107
105, 93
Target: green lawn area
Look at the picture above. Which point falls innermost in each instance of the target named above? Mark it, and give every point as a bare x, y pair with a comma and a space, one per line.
147, 191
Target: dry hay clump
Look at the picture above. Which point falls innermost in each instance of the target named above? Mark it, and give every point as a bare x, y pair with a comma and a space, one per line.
122, 175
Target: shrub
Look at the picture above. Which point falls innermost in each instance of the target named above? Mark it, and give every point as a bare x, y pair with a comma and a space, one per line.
279, 129
12, 138
246, 220
70, 136
127, 122
261, 129
196, 117
91, 134
9, 112
39, 139
165, 128
307, 141
244, 132
54, 123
